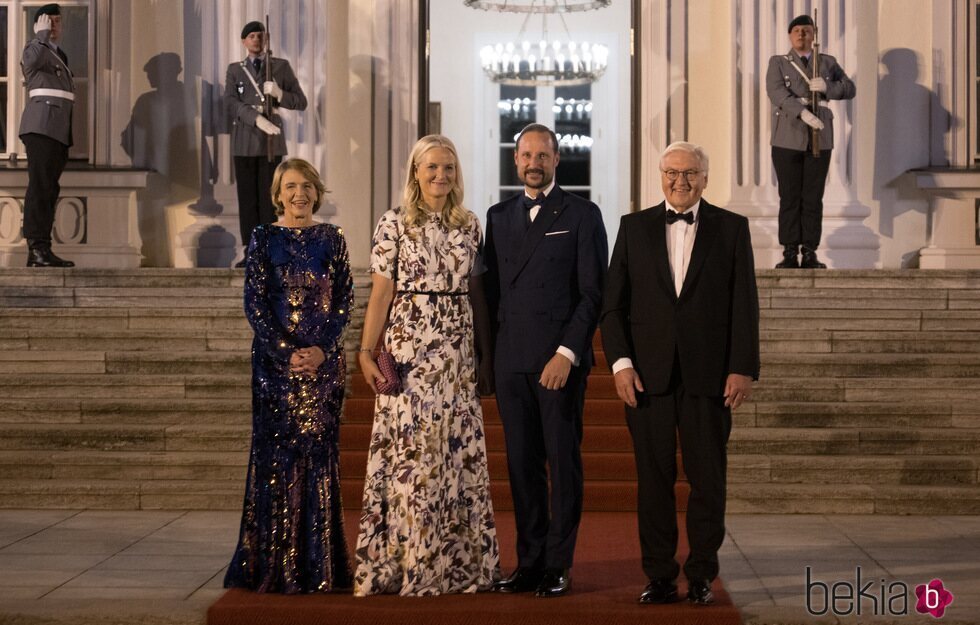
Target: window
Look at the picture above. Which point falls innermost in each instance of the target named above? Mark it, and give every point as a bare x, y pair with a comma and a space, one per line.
13, 92
569, 111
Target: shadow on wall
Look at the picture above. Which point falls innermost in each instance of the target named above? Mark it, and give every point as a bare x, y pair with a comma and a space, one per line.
904, 140
160, 136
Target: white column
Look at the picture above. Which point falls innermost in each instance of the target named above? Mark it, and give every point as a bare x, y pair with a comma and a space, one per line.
662, 44
760, 27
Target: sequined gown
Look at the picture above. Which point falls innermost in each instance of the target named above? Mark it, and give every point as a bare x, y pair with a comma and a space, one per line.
427, 524
298, 293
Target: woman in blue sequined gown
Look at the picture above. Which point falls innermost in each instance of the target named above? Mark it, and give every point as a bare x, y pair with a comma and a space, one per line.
298, 294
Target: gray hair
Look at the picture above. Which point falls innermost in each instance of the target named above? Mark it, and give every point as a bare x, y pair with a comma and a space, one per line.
690, 148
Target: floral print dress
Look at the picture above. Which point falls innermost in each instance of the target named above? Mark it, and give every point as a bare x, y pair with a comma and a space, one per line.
427, 523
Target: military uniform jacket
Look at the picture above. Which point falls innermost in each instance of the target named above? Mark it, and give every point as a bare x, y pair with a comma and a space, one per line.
785, 87
46, 67
243, 99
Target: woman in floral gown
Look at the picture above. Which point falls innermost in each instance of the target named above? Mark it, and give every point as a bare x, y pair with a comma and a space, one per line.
298, 294
427, 523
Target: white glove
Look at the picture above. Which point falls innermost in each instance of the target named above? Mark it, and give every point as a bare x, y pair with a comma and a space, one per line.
271, 88
43, 23
266, 126
818, 84
811, 120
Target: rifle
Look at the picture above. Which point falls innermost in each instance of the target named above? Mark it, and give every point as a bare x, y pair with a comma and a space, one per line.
267, 101
815, 95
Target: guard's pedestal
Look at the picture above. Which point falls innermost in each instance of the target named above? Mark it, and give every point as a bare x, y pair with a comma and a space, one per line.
95, 223
955, 236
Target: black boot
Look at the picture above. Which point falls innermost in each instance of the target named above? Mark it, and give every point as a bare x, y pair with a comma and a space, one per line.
39, 254
789, 258
810, 260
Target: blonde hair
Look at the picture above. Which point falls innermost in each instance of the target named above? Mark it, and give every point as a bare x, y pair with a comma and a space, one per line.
307, 170
453, 214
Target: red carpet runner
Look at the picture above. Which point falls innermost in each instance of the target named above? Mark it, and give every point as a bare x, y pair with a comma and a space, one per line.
606, 582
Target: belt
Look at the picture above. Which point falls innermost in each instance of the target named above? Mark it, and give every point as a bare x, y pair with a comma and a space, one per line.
806, 102
447, 293
261, 109
54, 93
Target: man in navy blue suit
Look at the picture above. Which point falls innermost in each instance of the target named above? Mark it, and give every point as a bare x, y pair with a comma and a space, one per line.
546, 256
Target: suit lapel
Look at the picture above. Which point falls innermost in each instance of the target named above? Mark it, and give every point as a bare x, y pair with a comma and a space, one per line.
549, 212
657, 232
703, 240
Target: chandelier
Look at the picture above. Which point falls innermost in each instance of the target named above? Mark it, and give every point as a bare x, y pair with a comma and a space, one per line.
537, 6
557, 63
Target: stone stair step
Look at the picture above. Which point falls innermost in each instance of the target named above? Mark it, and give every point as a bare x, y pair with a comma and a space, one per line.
888, 389
175, 362
70, 494
951, 320
922, 342
913, 470
842, 319
167, 411
124, 465
40, 410
852, 499
122, 339
854, 441
51, 362
910, 414
77, 386
36, 297
46, 436
914, 366
849, 298
148, 297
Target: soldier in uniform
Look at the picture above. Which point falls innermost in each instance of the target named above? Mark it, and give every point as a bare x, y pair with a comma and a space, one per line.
246, 90
802, 176
45, 129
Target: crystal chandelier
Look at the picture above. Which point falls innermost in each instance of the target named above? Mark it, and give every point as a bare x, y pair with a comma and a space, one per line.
537, 6
558, 63
548, 61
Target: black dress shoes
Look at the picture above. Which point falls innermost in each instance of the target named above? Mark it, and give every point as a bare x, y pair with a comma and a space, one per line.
810, 261
554, 583
699, 592
523, 579
42, 256
790, 261
659, 591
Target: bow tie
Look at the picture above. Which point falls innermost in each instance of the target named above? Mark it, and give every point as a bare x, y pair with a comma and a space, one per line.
531, 202
685, 216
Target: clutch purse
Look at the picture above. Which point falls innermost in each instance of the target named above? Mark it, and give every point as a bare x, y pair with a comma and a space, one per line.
392, 384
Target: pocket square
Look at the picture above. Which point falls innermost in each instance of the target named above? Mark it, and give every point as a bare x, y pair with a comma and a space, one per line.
549, 234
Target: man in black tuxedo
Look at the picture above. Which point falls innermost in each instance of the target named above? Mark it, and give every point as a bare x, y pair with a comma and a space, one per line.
680, 325
546, 255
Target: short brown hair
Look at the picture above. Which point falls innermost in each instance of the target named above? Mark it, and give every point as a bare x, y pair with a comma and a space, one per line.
537, 128
309, 172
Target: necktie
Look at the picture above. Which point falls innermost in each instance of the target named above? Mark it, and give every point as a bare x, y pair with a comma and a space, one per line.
531, 202
806, 61
257, 64
673, 216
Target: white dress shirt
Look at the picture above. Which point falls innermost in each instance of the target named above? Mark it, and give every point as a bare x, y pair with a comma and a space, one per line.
680, 243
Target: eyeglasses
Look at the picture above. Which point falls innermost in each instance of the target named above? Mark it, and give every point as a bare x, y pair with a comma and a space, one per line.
691, 174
